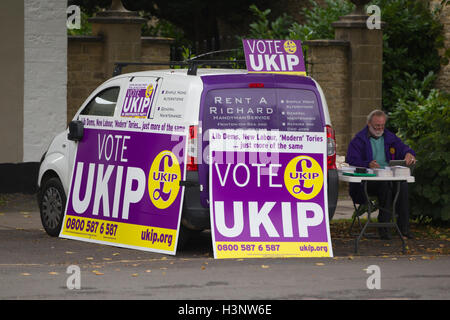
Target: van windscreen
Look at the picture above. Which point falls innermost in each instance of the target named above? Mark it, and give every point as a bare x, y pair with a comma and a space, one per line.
262, 108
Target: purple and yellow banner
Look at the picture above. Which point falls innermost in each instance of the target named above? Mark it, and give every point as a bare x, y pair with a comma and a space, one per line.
125, 187
268, 194
274, 56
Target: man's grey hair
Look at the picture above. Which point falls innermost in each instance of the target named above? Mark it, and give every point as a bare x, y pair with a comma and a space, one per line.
377, 113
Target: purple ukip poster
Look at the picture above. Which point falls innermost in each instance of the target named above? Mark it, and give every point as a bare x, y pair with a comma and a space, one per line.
125, 187
274, 56
268, 194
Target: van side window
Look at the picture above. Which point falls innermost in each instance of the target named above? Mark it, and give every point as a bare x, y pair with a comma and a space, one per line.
103, 104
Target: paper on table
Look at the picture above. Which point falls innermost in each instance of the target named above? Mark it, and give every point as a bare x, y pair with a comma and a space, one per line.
383, 172
400, 171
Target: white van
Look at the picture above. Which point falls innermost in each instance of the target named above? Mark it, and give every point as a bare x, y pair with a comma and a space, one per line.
208, 99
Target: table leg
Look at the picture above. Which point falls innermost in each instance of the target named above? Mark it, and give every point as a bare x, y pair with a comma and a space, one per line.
369, 211
392, 223
394, 218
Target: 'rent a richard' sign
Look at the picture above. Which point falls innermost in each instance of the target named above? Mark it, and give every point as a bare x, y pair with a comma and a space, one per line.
274, 56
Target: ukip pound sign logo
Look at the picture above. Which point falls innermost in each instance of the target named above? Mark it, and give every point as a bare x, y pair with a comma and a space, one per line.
290, 47
303, 177
164, 179
149, 91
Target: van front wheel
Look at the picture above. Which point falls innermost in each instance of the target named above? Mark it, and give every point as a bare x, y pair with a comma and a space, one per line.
52, 204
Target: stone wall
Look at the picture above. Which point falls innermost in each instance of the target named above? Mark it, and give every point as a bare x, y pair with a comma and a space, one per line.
84, 70
327, 62
155, 49
88, 68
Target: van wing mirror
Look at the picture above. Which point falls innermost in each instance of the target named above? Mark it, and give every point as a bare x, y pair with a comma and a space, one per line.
76, 130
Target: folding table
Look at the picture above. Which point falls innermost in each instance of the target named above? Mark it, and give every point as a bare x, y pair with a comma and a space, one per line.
391, 224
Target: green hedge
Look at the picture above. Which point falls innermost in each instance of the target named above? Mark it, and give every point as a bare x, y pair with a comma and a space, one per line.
412, 38
424, 122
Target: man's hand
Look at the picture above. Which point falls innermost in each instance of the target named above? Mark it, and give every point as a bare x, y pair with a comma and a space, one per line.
373, 164
410, 159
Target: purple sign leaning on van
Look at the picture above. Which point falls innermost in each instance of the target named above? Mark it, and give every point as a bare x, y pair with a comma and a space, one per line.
125, 187
267, 194
274, 56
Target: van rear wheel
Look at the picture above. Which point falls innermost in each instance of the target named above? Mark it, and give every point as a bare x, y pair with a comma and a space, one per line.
52, 204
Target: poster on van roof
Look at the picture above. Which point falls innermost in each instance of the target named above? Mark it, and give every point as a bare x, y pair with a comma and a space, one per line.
125, 186
263, 208
274, 56
138, 99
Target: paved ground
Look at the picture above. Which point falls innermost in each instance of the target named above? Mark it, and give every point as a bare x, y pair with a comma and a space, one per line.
344, 209
34, 266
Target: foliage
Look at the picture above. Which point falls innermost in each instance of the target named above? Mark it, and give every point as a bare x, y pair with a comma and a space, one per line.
421, 115
412, 38
262, 28
318, 22
405, 89
424, 124
319, 19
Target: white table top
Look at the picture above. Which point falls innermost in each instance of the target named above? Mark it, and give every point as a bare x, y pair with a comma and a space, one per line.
409, 179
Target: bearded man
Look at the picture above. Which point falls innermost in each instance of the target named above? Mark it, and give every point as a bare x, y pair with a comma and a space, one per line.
373, 147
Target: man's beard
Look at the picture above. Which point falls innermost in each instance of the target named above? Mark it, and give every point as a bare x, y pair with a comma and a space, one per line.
375, 133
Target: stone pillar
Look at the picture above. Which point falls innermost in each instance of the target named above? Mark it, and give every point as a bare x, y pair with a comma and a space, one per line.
328, 65
121, 32
365, 63
45, 75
